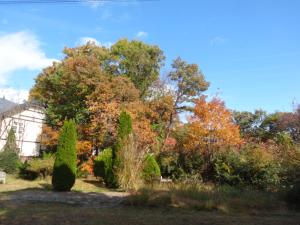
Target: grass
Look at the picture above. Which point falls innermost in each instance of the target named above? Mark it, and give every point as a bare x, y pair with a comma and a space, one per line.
49, 214
13, 183
174, 204
224, 199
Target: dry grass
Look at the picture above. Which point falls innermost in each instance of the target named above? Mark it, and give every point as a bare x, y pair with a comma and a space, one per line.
225, 199
129, 173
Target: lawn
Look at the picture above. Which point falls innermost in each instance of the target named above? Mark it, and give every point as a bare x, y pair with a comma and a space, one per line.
13, 183
54, 214
33, 202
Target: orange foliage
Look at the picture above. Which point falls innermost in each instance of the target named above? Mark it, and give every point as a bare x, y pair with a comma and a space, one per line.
88, 166
83, 147
107, 102
211, 126
49, 137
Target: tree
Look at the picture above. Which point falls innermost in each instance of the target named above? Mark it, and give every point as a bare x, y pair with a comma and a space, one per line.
151, 170
63, 87
9, 156
124, 130
138, 61
211, 128
64, 170
250, 123
105, 105
92, 84
190, 83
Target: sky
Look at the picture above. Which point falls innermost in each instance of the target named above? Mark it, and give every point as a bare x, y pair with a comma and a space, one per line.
249, 51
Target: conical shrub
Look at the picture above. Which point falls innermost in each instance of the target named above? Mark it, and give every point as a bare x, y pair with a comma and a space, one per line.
64, 170
9, 155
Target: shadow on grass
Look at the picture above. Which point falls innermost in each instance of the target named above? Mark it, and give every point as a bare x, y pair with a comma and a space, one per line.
47, 187
36, 206
99, 184
96, 183
21, 206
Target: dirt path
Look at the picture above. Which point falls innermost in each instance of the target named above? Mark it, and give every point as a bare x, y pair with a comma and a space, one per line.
105, 199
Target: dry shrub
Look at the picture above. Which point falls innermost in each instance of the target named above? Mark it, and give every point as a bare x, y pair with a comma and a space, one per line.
131, 166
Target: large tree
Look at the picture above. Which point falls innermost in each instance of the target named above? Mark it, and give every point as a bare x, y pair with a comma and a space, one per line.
138, 61
189, 84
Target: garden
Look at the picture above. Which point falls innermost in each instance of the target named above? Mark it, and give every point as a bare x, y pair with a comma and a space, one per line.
118, 151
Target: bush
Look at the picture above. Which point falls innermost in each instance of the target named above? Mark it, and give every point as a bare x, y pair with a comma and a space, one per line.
293, 196
103, 167
181, 166
64, 170
9, 157
168, 163
37, 167
151, 170
127, 158
250, 166
226, 166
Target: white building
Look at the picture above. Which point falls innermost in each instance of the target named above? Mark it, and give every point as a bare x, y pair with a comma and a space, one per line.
26, 120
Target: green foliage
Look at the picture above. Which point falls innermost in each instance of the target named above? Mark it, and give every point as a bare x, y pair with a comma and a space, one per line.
151, 170
37, 167
103, 166
124, 130
9, 157
64, 170
249, 122
181, 166
225, 168
284, 139
125, 125
168, 163
189, 79
251, 166
138, 61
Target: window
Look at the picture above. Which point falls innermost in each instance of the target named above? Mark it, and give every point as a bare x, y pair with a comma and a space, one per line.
14, 128
21, 130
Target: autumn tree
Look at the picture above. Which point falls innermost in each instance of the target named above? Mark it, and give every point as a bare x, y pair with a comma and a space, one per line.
63, 87
189, 84
211, 128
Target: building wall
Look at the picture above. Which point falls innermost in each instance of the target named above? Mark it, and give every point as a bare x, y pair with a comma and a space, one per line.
28, 127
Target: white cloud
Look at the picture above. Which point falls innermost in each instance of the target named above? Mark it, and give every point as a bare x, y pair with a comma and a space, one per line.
141, 34
14, 95
217, 41
85, 40
94, 4
19, 51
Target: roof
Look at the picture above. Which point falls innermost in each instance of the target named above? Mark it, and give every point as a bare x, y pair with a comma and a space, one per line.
6, 105
8, 108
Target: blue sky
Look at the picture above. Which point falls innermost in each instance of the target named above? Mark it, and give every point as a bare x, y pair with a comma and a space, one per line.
248, 50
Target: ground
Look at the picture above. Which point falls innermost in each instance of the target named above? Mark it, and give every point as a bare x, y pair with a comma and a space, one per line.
33, 203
